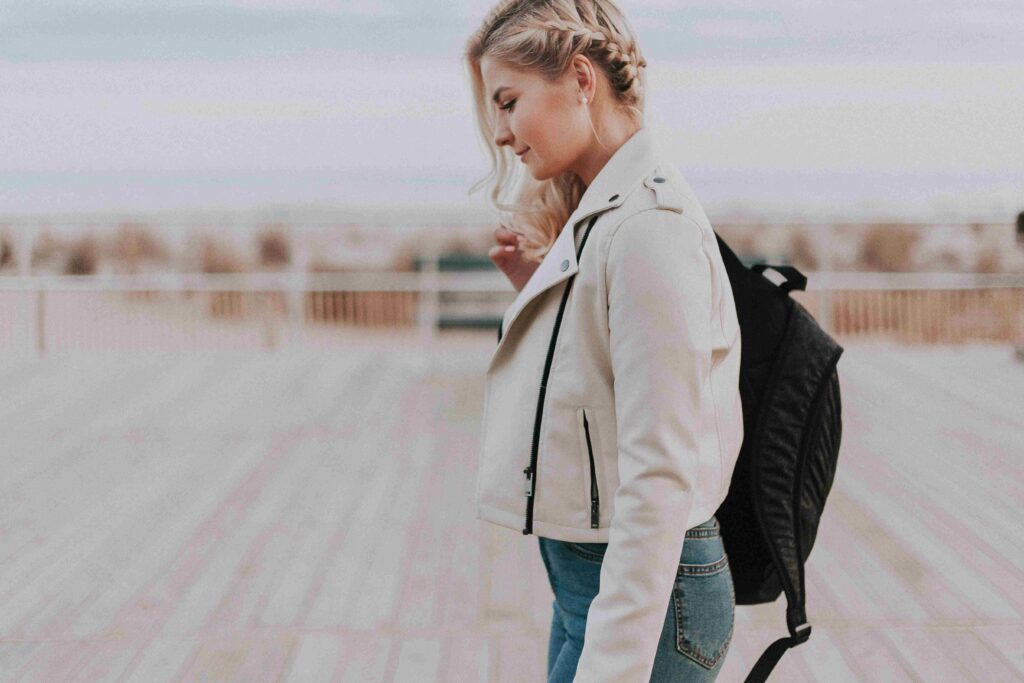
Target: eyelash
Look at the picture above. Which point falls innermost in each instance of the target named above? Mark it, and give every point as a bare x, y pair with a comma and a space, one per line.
508, 105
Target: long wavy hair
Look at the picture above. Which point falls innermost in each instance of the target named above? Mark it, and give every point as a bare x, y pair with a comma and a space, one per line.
545, 35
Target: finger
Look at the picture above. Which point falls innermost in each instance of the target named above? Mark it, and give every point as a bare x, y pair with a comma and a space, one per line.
505, 236
501, 251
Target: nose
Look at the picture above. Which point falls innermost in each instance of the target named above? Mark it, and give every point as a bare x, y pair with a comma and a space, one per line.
502, 134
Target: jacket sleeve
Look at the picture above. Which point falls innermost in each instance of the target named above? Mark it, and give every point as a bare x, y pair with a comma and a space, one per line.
659, 315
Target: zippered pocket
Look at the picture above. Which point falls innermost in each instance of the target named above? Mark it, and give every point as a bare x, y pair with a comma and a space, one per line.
595, 498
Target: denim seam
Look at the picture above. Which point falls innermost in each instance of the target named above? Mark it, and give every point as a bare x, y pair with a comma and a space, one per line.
704, 569
547, 566
706, 532
695, 534
583, 552
700, 569
693, 653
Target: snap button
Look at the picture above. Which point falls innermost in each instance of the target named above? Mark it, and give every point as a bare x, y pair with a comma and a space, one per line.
659, 179
565, 265
613, 197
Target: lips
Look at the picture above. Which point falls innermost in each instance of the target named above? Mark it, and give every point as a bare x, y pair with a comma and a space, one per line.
523, 153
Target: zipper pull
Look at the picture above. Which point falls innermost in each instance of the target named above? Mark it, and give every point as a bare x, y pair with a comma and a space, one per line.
528, 490
593, 513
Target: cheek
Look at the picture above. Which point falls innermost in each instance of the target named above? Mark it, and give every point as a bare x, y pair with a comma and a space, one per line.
529, 128
544, 132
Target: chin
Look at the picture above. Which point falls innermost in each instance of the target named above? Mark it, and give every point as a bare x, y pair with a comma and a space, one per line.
541, 173
546, 171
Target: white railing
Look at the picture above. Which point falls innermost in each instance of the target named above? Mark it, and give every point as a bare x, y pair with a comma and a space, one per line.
245, 310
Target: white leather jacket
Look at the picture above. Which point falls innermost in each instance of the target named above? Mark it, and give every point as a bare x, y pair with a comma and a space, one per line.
612, 408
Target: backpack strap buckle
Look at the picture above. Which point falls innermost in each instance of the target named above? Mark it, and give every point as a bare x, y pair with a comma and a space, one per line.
794, 278
801, 633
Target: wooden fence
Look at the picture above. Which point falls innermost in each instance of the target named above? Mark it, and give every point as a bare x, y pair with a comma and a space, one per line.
184, 311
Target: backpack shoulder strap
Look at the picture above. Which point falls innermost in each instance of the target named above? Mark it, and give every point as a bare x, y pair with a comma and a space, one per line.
771, 656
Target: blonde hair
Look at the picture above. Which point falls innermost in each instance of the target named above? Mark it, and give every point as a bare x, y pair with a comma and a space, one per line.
544, 36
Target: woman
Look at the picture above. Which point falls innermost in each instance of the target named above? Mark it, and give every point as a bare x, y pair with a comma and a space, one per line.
612, 417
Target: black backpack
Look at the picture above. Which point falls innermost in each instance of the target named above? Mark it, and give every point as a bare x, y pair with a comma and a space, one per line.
789, 387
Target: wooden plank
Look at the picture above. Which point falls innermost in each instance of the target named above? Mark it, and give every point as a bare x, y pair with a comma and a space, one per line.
819, 659
217, 658
884, 569
889, 432
269, 657
1007, 640
158, 536
158, 542
924, 654
276, 485
100, 551
15, 657
316, 659
358, 534
869, 656
418, 661
957, 589
466, 657
162, 659
521, 655
975, 656
109, 662
57, 660
389, 558
367, 659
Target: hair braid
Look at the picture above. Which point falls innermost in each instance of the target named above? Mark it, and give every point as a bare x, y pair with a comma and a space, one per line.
544, 36
623, 63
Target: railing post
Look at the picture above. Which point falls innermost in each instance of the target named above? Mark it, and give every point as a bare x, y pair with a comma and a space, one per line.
266, 308
27, 332
824, 241
297, 292
41, 322
430, 297
825, 309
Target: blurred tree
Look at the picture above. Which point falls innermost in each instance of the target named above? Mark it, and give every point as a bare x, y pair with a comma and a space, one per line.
135, 243
888, 247
83, 257
46, 251
274, 247
6, 250
802, 252
216, 256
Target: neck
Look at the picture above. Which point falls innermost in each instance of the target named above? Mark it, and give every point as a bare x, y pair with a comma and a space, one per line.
613, 134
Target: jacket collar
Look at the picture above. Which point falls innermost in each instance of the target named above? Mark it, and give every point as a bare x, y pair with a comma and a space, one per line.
626, 168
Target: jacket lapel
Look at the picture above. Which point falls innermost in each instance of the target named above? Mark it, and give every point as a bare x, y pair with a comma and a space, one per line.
558, 264
626, 168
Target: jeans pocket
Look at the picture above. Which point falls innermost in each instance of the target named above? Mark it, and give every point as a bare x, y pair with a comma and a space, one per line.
592, 552
705, 604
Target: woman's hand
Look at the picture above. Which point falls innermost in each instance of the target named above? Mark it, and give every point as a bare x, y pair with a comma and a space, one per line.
506, 255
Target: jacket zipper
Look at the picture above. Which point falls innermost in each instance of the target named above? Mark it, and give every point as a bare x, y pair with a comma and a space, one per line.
595, 510
531, 469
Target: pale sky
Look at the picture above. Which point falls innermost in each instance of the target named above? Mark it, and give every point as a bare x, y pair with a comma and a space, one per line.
109, 103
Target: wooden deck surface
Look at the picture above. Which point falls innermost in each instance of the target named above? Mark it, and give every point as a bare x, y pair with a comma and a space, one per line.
308, 516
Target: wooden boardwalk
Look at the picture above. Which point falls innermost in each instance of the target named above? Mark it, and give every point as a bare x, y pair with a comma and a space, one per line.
308, 516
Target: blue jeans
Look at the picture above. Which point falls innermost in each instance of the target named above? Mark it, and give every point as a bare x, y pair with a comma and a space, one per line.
698, 620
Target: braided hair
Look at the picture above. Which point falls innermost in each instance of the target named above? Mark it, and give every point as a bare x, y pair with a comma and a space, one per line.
545, 36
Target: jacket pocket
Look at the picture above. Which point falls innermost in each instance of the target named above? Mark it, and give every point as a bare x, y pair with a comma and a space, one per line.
588, 431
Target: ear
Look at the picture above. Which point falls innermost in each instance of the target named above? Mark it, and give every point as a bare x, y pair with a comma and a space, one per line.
585, 75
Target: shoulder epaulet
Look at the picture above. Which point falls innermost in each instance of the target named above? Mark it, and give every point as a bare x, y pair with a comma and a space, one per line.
666, 194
